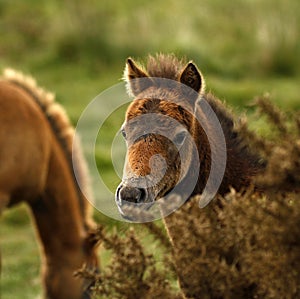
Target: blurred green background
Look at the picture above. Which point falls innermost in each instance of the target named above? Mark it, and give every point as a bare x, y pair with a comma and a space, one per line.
77, 49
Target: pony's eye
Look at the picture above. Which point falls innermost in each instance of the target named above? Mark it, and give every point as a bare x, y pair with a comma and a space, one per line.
123, 133
180, 137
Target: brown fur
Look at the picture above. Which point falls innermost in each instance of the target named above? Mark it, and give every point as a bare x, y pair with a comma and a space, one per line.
36, 140
152, 96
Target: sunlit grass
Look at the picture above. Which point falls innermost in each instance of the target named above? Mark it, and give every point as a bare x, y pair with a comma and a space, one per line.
20, 256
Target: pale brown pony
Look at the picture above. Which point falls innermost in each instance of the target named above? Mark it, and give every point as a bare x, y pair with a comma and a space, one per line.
153, 96
36, 167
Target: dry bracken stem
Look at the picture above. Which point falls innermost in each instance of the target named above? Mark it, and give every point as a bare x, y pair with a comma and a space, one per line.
276, 116
255, 141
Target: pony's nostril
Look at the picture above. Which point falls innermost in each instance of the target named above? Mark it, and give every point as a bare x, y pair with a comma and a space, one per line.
143, 194
130, 194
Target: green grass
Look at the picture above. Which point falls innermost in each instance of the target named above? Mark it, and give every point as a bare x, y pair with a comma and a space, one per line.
20, 256
77, 49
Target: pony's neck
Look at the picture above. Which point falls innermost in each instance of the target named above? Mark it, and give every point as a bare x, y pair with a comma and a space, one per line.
241, 164
60, 199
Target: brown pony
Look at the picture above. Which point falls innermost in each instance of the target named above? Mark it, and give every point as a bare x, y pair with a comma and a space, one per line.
170, 89
36, 167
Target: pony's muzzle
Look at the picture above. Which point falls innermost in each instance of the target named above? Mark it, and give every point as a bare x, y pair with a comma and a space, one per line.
128, 194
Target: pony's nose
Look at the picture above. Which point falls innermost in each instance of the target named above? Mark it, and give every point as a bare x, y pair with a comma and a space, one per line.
130, 194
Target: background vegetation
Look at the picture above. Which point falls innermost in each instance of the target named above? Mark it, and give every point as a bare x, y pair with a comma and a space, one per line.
77, 49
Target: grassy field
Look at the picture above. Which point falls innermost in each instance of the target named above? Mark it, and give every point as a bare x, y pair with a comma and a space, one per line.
77, 49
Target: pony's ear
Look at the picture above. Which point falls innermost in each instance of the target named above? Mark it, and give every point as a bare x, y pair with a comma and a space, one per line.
132, 74
192, 77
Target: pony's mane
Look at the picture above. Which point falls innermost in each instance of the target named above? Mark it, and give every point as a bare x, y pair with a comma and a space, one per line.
165, 66
59, 122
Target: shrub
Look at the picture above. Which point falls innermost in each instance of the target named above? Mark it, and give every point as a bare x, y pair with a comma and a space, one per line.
245, 245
